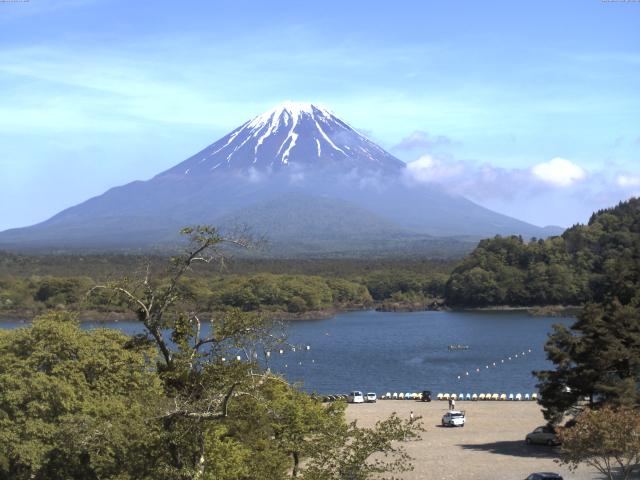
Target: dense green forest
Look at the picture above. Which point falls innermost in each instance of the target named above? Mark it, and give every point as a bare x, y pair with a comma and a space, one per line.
30, 285
581, 265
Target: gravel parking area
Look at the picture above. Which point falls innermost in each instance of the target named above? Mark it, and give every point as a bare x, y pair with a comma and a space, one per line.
490, 447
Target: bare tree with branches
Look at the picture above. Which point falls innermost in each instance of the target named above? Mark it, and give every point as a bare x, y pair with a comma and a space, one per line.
204, 362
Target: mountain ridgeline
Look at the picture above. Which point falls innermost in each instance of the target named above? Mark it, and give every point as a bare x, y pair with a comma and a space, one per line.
586, 263
296, 174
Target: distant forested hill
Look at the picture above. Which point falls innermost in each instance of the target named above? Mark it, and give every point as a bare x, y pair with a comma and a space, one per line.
580, 265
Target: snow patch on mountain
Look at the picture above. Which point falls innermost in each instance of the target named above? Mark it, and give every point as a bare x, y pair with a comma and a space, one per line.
291, 134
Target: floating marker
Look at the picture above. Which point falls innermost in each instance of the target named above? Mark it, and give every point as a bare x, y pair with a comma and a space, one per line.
285, 365
477, 369
487, 366
293, 349
299, 363
494, 364
466, 373
281, 351
223, 359
238, 358
458, 377
308, 347
502, 361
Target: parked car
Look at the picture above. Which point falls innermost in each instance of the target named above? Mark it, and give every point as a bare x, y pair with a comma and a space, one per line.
426, 395
543, 435
544, 476
371, 398
453, 418
355, 397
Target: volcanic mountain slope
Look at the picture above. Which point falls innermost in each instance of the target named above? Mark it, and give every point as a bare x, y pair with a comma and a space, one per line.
286, 138
295, 173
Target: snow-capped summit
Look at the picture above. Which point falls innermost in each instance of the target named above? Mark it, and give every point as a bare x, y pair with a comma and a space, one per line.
291, 134
289, 111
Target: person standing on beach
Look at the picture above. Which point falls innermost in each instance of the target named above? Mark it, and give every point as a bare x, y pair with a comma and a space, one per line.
452, 403
411, 417
450, 400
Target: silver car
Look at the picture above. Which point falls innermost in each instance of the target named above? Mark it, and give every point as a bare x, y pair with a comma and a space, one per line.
544, 436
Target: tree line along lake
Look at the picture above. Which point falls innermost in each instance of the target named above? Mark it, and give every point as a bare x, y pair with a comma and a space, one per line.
407, 352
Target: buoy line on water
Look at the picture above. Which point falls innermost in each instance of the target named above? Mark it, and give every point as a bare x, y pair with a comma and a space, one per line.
496, 363
415, 395
301, 348
462, 396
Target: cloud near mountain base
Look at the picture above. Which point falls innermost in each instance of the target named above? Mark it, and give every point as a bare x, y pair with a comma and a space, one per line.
540, 189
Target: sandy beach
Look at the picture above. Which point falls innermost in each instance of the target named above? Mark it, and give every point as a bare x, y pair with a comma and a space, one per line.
490, 447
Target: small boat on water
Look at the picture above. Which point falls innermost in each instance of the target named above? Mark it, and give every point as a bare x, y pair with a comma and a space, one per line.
458, 346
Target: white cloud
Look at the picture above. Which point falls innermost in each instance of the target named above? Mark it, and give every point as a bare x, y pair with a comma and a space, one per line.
532, 193
625, 180
428, 169
559, 172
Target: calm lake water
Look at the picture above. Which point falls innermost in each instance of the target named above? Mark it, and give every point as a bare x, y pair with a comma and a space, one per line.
387, 352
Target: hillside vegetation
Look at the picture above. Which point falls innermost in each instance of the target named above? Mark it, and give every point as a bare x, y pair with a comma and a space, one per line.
581, 265
31, 285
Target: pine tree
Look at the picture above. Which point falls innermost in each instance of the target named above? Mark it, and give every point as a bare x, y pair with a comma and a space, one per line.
597, 360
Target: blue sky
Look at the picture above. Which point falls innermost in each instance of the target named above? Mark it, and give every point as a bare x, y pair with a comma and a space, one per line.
530, 108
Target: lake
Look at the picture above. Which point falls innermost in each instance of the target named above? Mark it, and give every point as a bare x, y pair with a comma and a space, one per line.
387, 352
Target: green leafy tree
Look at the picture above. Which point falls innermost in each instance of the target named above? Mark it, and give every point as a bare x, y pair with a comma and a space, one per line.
198, 382
354, 453
76, 404
607, 439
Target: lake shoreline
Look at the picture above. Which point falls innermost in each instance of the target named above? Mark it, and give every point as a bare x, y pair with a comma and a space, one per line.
534, 311
559, 311
109, 317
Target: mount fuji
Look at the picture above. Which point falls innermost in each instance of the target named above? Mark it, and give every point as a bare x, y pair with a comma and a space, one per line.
296, 174
289, 136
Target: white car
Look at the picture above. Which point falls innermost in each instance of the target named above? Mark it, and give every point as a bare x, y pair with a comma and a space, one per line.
355, 397
453, 418
371, 397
